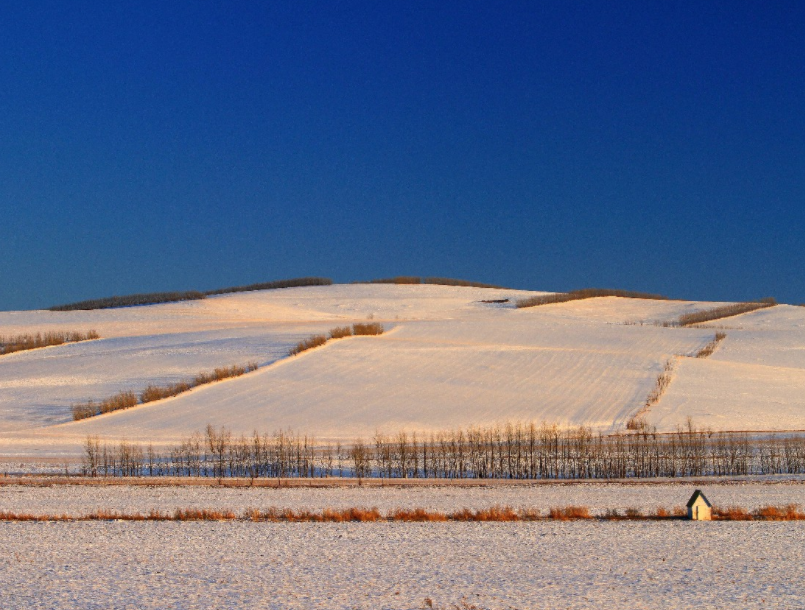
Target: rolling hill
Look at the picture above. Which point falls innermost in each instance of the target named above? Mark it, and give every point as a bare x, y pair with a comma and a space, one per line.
447, 359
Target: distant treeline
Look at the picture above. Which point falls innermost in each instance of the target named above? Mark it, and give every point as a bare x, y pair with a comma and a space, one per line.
153, 298
19, 343
687, 319
585, 293
292, 283
149, 298
441, 281
725, 311
514, 451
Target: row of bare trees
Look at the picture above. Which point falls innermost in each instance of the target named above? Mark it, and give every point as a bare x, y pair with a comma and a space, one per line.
513, 451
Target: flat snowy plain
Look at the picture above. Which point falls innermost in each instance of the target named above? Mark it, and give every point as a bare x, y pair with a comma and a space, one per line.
448, 359
399, 565
78, 500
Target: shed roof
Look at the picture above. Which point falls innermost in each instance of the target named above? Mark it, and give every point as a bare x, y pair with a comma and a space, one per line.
696, 495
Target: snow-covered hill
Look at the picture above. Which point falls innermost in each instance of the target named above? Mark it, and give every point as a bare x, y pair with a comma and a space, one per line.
447, 360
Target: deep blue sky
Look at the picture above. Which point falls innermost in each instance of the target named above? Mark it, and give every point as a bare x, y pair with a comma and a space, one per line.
148, 146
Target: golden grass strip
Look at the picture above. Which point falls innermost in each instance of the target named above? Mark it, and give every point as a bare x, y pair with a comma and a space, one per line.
128, 399
339, 332
19, 343
494, 514
711, 347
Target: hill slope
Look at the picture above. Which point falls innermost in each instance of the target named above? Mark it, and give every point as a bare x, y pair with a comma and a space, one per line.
447, 360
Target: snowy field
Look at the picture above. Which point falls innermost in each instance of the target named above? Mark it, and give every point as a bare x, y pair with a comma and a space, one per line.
401, 565
79, 500
236, 564
447, 360
755, 380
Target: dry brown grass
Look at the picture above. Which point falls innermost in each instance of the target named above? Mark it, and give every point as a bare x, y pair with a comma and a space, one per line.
731, 513
370, 328
359, 515
569, 513
19, 343
416, 514
225, 372
328, 515
663, 381
194, 514
495, 514
637, 421
636, 514
339, 332
791, 512
306, 344
708, 349
121, 400
154, 392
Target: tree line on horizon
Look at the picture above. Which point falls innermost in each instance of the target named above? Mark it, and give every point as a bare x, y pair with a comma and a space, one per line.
154, 298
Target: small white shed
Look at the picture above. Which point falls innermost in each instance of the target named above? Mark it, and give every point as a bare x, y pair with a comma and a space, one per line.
699, 507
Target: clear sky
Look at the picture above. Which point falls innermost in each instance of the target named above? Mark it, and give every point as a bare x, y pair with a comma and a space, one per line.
150, 146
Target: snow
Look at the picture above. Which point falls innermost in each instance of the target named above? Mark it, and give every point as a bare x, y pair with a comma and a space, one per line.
754, 381
399, 565
77, 500
186, 565
447, 360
